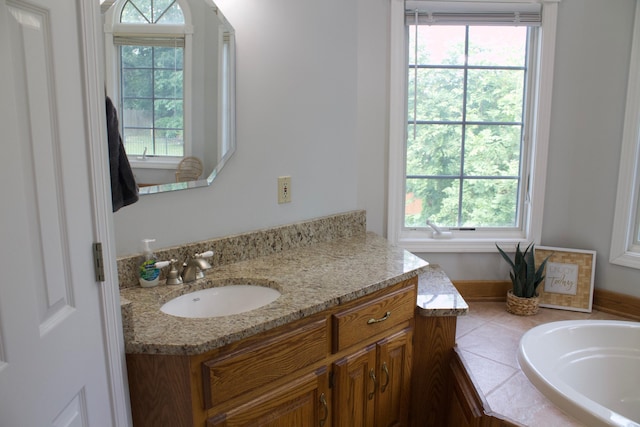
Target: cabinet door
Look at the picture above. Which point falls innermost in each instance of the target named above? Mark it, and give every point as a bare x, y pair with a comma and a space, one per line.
355, 388
301, 403
394, 376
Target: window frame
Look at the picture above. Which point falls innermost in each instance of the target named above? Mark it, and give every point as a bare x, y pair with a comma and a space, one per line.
625, 248
423, 239
114, 28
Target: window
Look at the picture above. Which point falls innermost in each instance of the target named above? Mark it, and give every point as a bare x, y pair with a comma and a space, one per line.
470, 152
625, 240
148, 79
464, 146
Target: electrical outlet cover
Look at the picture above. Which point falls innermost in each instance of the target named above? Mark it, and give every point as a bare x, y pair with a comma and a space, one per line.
284, 189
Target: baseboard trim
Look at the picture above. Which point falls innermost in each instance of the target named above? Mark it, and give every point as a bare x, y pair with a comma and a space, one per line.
496, 290
616, 303
483, 290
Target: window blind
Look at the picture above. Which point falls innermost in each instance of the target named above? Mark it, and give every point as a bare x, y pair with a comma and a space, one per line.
468, 13
149, 40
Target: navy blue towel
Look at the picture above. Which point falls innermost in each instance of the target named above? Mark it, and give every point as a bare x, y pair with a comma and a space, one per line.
124, 190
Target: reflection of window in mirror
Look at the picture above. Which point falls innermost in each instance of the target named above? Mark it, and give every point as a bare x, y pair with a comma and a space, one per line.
148, 50
625, 240
152, 83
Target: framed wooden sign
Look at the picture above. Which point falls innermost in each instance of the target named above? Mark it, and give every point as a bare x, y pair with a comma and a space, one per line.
568, 278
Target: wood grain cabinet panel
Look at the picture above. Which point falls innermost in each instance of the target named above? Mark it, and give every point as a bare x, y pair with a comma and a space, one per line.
234, 374
394, 375
357, 324
373, 385
355, 389
303, 402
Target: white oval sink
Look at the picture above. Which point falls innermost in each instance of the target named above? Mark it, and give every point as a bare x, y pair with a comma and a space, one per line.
220, 301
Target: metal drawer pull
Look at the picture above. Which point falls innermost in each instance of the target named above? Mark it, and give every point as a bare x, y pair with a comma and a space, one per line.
388, 377
382, 319
323, 401
372, 375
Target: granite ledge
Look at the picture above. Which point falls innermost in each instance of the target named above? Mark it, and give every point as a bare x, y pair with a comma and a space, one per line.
311, 279
437, 296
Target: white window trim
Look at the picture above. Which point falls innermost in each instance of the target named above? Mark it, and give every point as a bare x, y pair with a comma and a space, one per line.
425, 242
113, 26
623, 252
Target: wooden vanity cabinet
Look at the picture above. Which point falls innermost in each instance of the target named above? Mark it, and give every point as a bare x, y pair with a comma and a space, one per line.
303, 402
373, 382
372, 385
314, 372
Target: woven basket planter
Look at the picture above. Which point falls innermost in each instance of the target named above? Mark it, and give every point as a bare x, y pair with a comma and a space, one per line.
522, 306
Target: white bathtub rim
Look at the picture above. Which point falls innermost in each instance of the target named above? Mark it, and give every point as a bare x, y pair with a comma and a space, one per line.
557, 390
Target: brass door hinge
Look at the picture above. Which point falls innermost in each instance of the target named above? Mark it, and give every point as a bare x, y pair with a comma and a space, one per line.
98, 262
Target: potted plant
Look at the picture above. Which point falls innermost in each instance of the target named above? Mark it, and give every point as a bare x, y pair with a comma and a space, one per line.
522, 298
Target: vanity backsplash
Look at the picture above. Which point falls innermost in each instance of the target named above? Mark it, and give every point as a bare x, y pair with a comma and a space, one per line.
241, 247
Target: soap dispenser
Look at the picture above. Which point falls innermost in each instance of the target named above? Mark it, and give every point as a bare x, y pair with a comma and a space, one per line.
148, 271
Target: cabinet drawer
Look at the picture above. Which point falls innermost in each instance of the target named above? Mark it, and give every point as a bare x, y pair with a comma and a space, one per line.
232, 375
363, 321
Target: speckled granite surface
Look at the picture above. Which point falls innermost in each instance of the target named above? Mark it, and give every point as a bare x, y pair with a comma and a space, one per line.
311, 279
240, 247
437, 296
312, 275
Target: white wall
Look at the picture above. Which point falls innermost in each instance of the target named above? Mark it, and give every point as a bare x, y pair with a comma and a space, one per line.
312, 103
592, 66
296, 114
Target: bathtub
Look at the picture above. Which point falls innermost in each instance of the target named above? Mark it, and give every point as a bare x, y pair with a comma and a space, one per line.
588, 368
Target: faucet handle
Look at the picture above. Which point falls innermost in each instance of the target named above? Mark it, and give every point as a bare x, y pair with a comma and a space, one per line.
162, 264
203, 264
207, 254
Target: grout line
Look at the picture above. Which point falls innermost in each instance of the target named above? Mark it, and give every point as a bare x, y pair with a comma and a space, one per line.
502, 384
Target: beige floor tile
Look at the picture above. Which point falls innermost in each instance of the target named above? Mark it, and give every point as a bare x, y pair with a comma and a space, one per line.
516, 399
466, 324
550, 416
487, 374
520, 400
493, 341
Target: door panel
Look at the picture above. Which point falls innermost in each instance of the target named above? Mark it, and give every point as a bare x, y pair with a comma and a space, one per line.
40, 170
355, 389
394, 360
54, 367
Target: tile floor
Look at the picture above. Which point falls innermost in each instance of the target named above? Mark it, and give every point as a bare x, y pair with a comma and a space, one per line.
488, 338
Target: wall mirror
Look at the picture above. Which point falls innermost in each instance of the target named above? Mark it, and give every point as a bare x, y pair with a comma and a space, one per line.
170, 71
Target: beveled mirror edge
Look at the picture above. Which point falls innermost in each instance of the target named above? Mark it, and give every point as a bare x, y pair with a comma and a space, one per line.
176, 186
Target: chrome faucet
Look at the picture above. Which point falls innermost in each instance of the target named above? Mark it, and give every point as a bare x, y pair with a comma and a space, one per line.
194, 267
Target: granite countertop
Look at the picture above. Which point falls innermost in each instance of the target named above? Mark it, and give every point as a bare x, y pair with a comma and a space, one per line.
437, 296
311, 279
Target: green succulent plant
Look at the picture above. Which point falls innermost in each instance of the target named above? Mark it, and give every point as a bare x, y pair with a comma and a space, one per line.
524, 276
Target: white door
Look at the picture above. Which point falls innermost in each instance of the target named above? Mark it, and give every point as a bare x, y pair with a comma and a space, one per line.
53, 362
